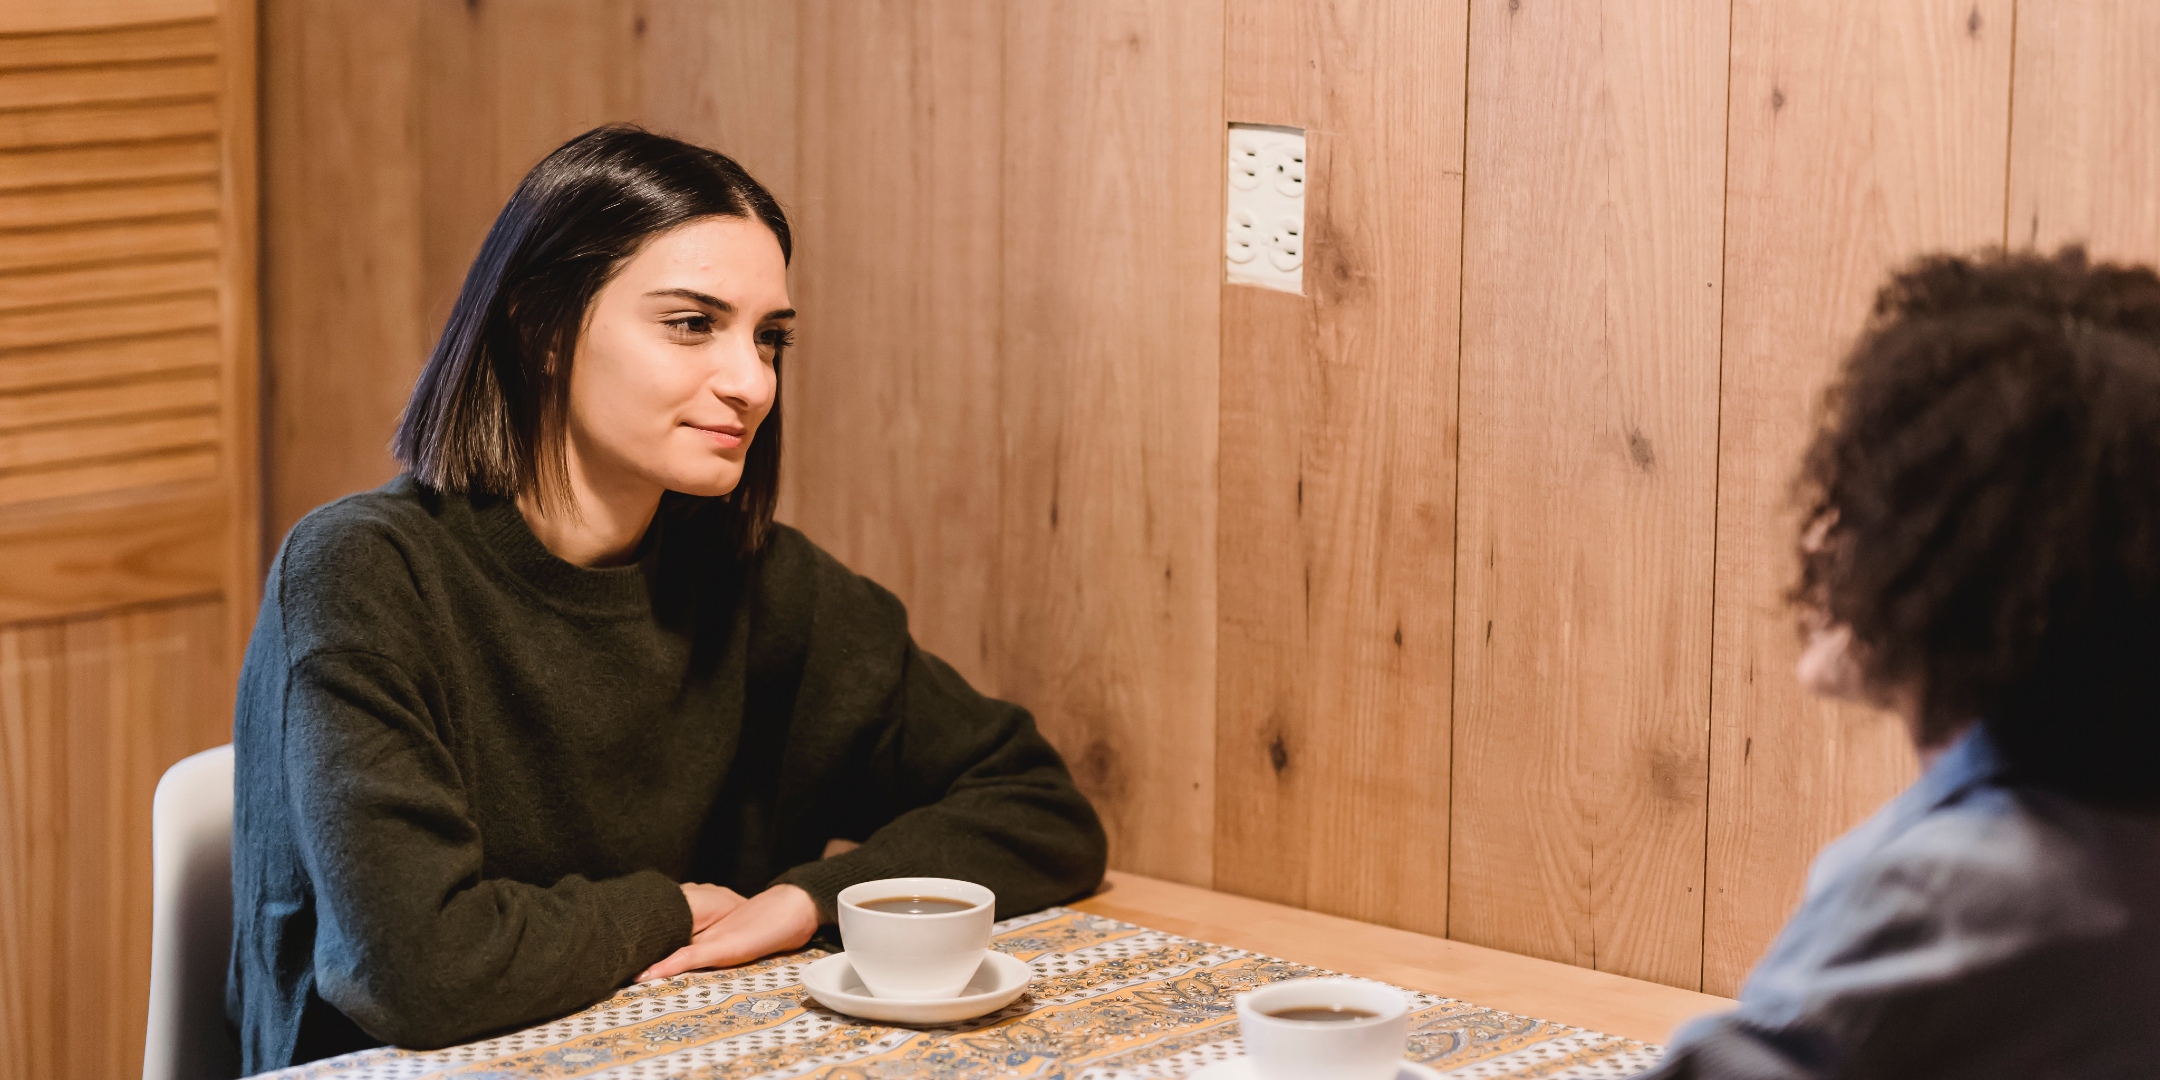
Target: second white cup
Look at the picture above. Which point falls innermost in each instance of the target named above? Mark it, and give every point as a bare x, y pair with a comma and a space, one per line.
916, 956
1342, 1029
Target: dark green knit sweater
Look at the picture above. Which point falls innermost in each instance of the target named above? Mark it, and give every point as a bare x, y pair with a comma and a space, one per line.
471, 775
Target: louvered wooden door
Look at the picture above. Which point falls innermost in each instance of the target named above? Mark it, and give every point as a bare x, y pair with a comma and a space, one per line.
129, 547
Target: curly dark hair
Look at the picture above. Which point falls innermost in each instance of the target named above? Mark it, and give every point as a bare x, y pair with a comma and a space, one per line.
1984, 495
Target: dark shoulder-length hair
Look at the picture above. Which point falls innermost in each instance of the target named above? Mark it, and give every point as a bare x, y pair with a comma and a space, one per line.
488, 412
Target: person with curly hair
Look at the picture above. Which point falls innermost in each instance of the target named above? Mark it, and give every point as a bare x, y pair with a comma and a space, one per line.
1981, 556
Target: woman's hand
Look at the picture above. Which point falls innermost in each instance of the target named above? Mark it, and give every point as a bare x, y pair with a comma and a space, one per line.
709, 904
776, 920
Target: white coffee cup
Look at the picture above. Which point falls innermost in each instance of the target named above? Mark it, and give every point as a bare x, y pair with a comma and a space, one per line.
917, 957
1369, 1048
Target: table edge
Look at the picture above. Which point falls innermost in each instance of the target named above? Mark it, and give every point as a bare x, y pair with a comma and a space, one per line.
1526, 985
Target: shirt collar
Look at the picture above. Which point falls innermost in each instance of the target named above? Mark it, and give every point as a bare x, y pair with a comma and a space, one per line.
1970, 762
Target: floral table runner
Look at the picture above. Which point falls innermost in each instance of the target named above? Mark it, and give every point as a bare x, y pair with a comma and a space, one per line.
1109, 1001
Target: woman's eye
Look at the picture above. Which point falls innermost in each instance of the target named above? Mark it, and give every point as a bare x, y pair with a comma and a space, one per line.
689, 327
777, 339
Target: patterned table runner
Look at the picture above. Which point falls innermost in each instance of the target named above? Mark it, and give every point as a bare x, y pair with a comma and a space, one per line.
1109, 1001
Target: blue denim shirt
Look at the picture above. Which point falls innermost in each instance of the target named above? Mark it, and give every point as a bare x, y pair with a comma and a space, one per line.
1969, 929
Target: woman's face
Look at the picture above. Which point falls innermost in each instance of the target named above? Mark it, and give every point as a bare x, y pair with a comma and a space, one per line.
674, 368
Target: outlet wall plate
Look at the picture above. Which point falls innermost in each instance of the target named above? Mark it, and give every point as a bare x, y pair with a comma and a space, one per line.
1264, 227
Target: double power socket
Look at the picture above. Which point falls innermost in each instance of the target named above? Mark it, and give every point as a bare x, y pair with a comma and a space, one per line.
1264, 230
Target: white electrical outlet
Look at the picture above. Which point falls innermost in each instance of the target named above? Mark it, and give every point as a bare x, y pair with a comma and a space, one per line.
1264, 228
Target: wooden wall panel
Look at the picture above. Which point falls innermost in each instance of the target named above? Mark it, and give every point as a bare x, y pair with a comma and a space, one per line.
343, 332
1336, 522
240, 325
1588, 472
33, 846
1861, 135
723, 73
2085, 146
92, 711
1112, 205
499, 86
1015, 346
892, 395
397, 132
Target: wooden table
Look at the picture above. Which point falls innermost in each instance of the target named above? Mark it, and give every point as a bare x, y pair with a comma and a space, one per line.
1500, 980
1138, 982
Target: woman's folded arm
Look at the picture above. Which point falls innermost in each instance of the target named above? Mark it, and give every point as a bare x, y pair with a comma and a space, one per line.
967, 788
412, 942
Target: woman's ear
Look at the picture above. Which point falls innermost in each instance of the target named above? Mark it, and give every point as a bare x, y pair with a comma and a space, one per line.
1828, 666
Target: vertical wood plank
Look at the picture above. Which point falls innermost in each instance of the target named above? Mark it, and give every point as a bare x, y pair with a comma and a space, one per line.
1861, 135
457, 157
1589, 436
724, 74
342, 208
92, 712
1336, 522
240, 316
2085, 148
1112, 208
497, 87
396, 132
559, 68
500, 84
892, 414
144, 688
33, 839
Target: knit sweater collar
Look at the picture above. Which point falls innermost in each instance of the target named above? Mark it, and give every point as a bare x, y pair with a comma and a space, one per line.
613, 590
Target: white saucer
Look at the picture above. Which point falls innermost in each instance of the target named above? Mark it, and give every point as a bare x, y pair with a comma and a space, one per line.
997, 983
1241, 1069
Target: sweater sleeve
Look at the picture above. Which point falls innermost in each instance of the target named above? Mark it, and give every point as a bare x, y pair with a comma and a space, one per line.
944, 782
973, 792
411, 941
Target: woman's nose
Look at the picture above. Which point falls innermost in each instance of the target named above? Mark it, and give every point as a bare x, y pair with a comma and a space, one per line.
740, 375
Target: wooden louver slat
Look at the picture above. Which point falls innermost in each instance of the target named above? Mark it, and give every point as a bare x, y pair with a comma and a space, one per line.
195, 38
86, 125
138, 318
53, 207
49, 87
192, 156
107, 282
110, 315
108, 361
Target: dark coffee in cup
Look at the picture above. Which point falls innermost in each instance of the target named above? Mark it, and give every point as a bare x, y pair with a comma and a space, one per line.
914, 905
1322, 1014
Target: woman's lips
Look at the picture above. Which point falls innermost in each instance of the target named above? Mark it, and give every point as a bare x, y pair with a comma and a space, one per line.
726, 436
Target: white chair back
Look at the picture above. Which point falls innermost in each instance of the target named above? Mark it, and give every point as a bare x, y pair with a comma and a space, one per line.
191, 924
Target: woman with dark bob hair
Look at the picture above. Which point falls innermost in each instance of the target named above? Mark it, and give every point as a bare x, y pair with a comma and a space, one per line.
504, 719
1982, 557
